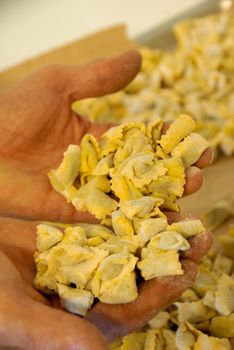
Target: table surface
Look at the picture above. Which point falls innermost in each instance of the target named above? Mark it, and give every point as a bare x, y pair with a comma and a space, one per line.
30, 27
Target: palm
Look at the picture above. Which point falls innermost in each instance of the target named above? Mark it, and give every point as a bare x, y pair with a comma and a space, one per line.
25, 313
36, 126
39, 148
17, 246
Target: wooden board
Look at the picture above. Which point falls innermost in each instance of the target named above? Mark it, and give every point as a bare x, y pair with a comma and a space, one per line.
218, 184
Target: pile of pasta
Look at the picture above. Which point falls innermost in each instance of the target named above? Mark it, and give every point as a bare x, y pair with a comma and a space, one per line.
196, 78
126, 181
203, 318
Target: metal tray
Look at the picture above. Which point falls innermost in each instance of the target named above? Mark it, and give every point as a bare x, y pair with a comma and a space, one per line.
219, 175
162, 37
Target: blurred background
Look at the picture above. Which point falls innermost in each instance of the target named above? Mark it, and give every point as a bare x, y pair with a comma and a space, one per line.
30, 27
190, 71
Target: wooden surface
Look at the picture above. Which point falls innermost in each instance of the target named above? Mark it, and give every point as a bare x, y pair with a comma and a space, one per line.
218, 184
219, 179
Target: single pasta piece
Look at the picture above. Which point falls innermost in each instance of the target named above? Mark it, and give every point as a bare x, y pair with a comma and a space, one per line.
47, 237
190, 149
188, 228
156, 262
219, 213
67, 172
77, 301
176, 133
114, 281
222, 327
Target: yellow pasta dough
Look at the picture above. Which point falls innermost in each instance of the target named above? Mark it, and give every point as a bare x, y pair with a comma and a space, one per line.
125, 180
195, 78
77, 301
176, 133
132, 162
86, 258
203, 317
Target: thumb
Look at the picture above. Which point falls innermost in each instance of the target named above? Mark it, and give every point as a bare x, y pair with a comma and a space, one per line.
101, 77
97, 129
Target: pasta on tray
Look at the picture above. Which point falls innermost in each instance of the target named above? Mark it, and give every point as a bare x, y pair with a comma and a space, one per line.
126, 180
203, 317
196, 78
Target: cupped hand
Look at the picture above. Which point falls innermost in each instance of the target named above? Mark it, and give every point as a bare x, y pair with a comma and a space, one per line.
29, 320
37, 124
115, 321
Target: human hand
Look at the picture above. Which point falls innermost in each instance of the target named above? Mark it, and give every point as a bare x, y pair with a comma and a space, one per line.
31, 321
155, 295
37, 124
33, 116
28, 319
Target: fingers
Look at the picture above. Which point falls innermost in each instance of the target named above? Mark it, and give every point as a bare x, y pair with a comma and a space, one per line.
37, 327
11, 276
58, 210
24, 313
199, 245
172, 216
101, 77
154, 295
193, 180
18, 243
194, 176
205, 159
32, 293
42, 202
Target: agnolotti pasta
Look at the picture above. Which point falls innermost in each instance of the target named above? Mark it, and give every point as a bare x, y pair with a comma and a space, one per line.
203, 317
125, 183
115, 279
126, 166
219, 213
196, 77
67, 172
94, 259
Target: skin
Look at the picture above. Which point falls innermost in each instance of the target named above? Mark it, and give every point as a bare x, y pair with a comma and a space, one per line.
154, 295
28, 320
38, 322
36, 126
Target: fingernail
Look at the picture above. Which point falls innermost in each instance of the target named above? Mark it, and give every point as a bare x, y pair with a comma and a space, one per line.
196, 175
193, 171
211, 158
